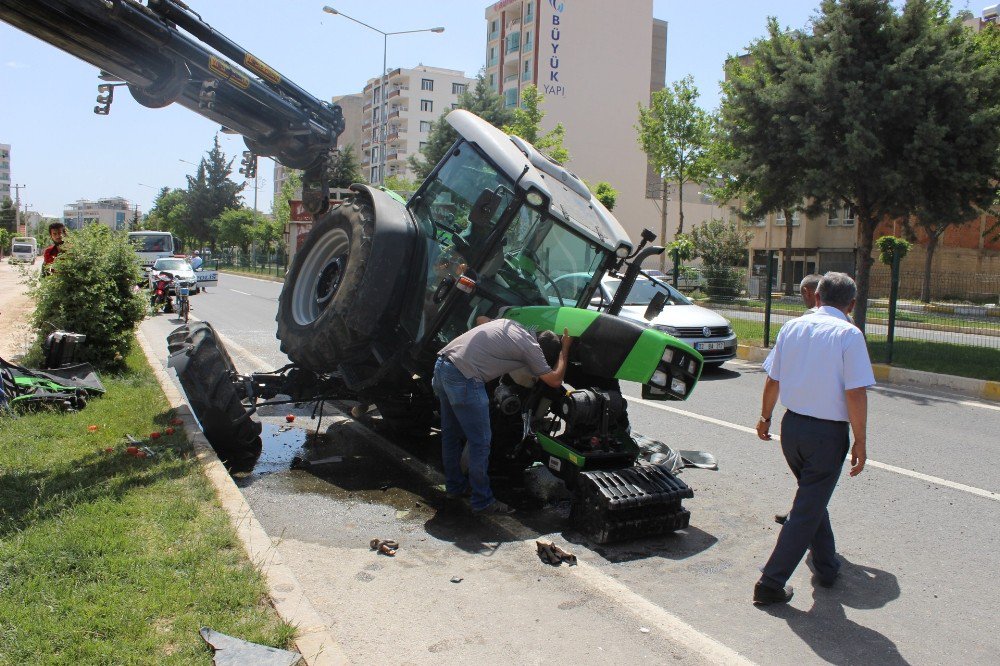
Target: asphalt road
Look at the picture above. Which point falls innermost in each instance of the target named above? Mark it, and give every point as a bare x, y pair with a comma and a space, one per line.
919, 531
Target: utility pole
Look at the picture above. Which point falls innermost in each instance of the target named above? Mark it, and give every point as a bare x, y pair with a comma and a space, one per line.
17, 207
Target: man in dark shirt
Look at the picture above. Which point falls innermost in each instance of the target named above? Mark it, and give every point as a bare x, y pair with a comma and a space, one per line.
463, 368
57, 232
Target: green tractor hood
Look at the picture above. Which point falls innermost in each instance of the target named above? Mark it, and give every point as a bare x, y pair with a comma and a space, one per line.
613, 347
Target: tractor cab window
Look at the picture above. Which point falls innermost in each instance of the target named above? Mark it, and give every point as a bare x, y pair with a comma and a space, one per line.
546, 263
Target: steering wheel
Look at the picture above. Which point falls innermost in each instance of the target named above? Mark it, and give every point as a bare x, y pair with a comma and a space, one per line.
538, 267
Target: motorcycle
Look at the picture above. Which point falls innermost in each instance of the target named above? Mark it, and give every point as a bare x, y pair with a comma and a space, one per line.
160, 288
182, 300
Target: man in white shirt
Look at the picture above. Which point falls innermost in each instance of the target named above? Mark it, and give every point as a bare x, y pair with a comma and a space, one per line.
820, 369
807, 289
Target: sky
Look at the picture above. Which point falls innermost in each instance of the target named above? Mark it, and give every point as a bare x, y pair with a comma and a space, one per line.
61, 151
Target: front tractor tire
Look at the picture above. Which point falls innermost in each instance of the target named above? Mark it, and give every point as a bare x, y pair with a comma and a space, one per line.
317, 310
205, 370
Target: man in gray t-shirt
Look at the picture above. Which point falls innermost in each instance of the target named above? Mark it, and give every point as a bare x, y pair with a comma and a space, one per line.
463, 368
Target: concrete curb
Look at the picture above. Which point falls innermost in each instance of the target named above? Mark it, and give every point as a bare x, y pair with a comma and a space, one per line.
313, 639
976, 388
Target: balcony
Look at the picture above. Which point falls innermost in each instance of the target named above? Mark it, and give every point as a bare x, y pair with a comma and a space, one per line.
507, 80
526, 76
399, 154
399, 92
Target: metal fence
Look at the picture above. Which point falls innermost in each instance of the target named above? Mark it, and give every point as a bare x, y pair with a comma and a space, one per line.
962, 317
273, 262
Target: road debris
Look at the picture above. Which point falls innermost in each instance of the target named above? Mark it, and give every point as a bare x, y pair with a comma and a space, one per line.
230, 651
457, 579
644, 630
298, 462
385, 546
289, 418
550, 553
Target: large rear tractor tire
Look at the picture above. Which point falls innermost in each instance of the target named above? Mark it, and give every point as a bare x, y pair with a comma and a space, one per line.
205, 369
324, 286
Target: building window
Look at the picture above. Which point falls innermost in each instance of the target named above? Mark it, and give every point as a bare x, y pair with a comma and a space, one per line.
849, 216
423, 144
834, 218
527, 66
494, 29
493, 81
374, 172
425, 126
427, 84
779, 218
527, 40
513, 41
426, 105
457, 88
528, 13
375, 94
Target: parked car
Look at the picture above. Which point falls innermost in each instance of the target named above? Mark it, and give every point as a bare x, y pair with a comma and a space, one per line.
708, 332
175, 267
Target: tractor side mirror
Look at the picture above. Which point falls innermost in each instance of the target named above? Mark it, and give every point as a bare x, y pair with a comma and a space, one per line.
482, 211
655, 306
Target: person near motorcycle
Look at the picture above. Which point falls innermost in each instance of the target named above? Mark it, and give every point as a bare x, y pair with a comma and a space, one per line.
464, 366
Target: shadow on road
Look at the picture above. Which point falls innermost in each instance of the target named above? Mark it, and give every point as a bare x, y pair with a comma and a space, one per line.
711, 374
827, 630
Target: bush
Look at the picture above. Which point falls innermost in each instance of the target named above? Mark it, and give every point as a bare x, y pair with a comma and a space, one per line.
92, 290
723, 282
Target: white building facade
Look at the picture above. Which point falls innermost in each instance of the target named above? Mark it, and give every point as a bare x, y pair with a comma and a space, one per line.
113, 212
5, 191
594, 63
413, 99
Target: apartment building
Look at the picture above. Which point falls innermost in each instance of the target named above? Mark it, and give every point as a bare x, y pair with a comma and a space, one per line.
5, 191
593, 63
403, 104
113, 212
352, 106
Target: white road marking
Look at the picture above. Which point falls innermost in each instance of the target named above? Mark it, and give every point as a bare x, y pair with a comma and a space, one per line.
940, 398
952, 398
241, 292
988, 494
669, 624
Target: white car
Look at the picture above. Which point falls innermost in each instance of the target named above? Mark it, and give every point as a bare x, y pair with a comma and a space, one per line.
708, 332
175, 267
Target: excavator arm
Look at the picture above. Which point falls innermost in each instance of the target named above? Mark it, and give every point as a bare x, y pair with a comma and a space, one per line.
164, 53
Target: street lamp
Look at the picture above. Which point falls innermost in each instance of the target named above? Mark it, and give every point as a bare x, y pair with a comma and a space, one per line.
385, 80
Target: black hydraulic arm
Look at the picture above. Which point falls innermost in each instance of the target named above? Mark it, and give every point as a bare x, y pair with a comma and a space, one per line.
166, 53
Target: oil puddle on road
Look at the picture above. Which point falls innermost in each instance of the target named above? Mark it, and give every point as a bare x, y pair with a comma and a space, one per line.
339, 465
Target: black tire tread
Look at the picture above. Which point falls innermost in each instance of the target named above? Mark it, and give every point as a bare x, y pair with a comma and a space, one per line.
331, 339
213, 397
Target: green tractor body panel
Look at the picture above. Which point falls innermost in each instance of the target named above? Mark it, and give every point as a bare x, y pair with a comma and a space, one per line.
617, 348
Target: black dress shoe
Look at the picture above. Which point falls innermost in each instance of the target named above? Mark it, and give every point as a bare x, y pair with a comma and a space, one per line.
827, 581
764, 595
780, 518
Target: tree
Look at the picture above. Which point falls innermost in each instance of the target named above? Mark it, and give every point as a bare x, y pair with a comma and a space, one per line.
676, 135
526, 123
904, 120
5, 240
762, 104
210, 191
722, 247
8, 216
235, 227
170, 213
344, 169
483, 100
399, 184
606, 194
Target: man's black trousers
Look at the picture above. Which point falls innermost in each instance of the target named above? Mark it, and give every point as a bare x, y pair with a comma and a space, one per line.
815, 450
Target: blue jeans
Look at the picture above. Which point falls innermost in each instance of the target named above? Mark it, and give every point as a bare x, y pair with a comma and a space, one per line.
465, 411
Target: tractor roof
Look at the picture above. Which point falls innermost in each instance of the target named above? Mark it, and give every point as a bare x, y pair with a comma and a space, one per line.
570, 200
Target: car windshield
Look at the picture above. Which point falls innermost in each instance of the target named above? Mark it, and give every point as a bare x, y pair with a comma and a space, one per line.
171, 265
547, 263
23, 248
644, 290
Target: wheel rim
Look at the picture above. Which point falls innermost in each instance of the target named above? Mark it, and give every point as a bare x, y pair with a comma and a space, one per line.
320, 276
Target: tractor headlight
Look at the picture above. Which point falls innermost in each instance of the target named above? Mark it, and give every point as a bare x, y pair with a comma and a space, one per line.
678, 386
659, 378
668, 355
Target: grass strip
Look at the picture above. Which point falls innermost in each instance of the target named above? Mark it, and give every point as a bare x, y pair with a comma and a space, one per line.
106, 558
249, 272
939, 357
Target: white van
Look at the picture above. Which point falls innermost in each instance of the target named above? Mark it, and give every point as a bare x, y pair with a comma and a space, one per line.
151, 245
24, 248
